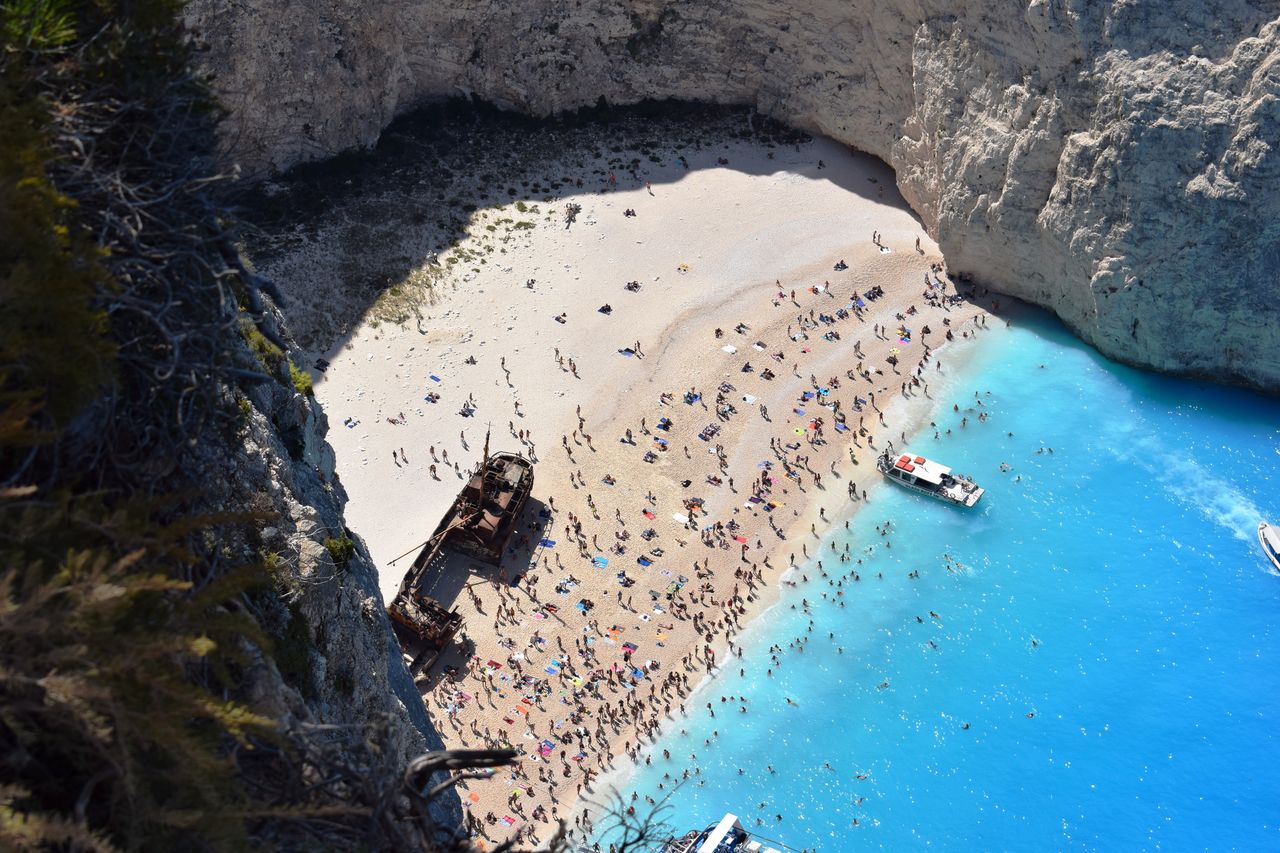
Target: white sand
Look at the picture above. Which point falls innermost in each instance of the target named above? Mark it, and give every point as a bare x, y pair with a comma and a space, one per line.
739, 228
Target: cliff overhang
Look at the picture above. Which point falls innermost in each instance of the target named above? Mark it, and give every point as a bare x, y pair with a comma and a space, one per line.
1113, 162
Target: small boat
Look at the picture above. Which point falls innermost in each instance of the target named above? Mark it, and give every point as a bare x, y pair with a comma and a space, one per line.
929, 478
725, 836
1269, 538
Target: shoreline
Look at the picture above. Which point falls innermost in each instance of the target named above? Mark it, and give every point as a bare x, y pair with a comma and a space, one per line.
705, 246
613, 784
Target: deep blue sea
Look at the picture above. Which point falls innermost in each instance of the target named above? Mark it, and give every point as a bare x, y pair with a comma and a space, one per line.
1110, 636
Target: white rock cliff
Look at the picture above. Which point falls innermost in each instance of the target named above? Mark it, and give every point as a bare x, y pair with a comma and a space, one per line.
1117, 162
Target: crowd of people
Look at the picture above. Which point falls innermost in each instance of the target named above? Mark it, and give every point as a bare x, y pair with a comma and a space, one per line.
632, 578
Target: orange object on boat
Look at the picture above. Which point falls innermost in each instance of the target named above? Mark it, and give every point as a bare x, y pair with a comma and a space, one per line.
919, 460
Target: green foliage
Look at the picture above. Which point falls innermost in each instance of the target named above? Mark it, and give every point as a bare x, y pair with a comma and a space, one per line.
24, 831
129, 637
341, 549
271, 561
301, 379
100, 632
268, 354
38, 25
124, 635
49, 277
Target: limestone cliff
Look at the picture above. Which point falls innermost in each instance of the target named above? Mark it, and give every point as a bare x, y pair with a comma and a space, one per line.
1113, 161
335, 660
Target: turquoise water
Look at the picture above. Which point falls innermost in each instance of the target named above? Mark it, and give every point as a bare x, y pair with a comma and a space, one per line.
1116, 592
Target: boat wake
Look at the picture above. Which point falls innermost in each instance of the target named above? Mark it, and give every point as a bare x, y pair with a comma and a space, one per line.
1192, 485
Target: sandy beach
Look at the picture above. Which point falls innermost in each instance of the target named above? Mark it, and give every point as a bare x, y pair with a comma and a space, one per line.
704, 387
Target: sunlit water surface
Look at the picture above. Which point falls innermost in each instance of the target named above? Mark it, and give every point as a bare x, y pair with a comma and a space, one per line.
1103, 672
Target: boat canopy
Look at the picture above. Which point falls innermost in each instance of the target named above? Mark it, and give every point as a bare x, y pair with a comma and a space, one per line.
727, 825
922, 469
1271, 536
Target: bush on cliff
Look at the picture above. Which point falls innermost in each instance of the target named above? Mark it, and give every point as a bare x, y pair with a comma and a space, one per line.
126, 631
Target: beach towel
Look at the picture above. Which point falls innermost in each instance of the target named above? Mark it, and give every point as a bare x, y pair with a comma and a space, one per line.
599, 561
680, 517
649, 515
435, 378
729, 348
548, 543
644, 561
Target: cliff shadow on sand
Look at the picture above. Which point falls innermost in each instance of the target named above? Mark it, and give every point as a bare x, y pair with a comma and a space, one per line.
370, 235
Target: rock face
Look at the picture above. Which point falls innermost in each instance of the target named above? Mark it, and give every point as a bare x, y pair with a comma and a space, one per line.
1116, 162
336, 661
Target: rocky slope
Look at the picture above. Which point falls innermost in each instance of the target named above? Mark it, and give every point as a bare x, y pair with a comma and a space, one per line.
1113, 161
336, 664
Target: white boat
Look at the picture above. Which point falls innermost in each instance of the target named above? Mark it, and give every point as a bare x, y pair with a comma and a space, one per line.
1269, 539
726, 836
929, 478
